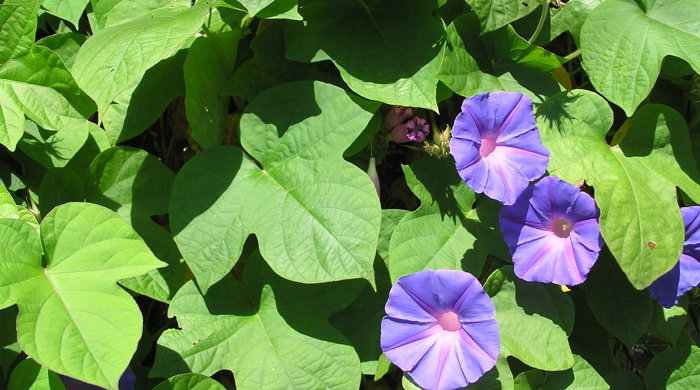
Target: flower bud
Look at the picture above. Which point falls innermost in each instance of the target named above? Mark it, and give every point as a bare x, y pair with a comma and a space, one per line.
372, 173
397, 115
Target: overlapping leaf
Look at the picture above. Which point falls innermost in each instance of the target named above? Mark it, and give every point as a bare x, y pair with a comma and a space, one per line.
624, 42
115, 58
268, 9
444, 232
210, 61
39, 86
496, 61
533, 320
269, 332
494, 14
582, 376
635, 182
111, 12
137, 186
361, 321
73, 318
390, 52
571, 18
674, 369
622, 310
70, 10
189, 382
17, 28
316, 216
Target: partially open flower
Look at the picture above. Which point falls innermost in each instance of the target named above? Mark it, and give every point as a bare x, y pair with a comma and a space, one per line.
685, 275
440, 329
397, 115
553, 233
497, 146
414, 130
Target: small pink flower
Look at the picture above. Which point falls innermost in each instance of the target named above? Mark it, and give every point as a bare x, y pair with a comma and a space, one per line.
414, 130
397, 115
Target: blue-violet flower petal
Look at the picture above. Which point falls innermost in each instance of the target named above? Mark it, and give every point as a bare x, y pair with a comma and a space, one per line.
685, 275
440, 329
553, 233
496, 145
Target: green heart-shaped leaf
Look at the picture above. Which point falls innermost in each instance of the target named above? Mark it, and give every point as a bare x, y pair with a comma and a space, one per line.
315, 215
623, 45
73, 318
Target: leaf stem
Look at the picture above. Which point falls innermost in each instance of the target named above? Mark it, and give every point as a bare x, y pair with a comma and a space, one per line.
573, 54
540, 24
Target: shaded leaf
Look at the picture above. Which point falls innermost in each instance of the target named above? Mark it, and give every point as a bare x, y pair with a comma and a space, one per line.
391, 51
496, 61
533, 320
115, 58
236, 327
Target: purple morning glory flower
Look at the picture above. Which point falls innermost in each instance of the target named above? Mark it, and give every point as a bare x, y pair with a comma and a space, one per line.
685, 275
497, 146
553, 233
440, 329
414, 130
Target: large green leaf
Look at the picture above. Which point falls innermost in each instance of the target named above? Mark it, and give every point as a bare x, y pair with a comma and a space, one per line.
444, 232
497, 61
39, 86
73, 318
582, 376
623, 45
622, 310
210, 62
111, 12
674, 369
70, 10
271, 333
315, 215
115, 58
635, 182
390, 52
17, 28
533, 320
494, 14
137, 186
189, 382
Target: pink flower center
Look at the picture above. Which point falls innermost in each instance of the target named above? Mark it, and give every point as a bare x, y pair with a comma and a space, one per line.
562, 228
488, 145
449, 321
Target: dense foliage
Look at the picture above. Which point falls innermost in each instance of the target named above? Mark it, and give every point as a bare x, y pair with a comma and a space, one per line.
221, 193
